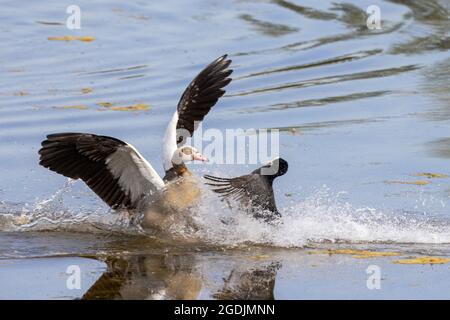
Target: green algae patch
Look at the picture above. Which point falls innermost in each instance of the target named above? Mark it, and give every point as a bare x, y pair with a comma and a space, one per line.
423, 260
431, 175
358, 254
415, 182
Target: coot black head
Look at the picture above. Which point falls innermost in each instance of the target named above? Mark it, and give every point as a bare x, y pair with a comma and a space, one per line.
274, 168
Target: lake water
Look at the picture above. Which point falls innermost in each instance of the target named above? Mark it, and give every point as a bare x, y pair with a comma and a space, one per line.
363, 116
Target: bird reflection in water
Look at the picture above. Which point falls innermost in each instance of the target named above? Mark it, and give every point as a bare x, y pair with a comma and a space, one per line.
254, 284
179, 277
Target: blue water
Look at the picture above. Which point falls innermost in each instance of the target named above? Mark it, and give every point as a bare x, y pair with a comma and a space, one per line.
360, 112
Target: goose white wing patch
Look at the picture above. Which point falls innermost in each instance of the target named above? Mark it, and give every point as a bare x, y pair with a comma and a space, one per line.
134, 174
113, 169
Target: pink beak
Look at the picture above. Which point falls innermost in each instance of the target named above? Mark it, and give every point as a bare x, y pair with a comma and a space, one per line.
200, 157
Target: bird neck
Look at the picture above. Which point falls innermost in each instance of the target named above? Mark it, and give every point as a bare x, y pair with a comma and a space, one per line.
177, 170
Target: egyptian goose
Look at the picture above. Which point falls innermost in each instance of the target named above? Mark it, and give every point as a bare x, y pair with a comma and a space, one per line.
117, 172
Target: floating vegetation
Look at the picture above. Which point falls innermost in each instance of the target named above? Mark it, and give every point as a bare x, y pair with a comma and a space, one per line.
72, 38
50, 23
259, 257
133, 107
359, 254
15, 70
427, 175
79, 107
105, 104
415, 182
109, 106
423, 260
86, 90
430, 175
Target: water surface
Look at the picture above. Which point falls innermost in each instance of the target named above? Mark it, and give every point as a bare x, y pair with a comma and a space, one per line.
361, 113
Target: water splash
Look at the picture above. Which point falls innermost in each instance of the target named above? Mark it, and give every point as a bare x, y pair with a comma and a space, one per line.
54, 214
321, 218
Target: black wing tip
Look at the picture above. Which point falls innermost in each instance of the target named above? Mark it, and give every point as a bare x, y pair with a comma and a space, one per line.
223, 57
58, 138
220, 68
62, 135
222, 62
203, 93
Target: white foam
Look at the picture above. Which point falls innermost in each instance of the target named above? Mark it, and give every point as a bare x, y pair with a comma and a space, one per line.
322, 217
53, 214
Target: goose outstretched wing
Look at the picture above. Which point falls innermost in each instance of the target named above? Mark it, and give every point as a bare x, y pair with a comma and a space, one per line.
113, 169
198, 98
